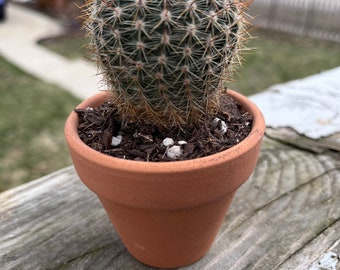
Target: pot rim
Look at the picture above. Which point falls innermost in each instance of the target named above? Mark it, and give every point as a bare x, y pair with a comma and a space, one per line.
100, 159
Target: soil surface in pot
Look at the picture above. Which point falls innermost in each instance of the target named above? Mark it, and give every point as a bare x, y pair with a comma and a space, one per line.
100, 127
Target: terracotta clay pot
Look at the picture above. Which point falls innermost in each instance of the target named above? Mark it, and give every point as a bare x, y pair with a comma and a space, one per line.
166, 213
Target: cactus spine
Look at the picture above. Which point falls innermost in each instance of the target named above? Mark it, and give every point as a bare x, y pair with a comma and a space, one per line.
166, 61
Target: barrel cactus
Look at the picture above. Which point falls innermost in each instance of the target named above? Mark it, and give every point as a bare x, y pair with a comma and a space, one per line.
166, 61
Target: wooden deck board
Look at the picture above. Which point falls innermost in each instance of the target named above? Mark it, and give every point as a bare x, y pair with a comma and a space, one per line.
285, 217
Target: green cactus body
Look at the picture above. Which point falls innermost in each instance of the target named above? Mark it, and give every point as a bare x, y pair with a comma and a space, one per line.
166, 60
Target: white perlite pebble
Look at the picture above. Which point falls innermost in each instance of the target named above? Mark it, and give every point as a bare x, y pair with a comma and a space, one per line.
116, 140
174, 152
168, 142
182, 142
224, 126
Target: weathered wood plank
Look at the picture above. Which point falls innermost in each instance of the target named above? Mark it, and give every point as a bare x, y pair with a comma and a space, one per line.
290, 136
293, 197
285, 217
322, 245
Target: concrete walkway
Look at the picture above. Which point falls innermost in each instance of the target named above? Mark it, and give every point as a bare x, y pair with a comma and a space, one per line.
18, 44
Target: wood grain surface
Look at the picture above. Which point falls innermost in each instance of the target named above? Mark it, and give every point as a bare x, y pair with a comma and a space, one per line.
287, 216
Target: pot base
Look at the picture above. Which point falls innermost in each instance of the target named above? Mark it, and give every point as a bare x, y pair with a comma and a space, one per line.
168, 238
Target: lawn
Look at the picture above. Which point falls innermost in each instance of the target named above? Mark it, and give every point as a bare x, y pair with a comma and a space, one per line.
31, 127
278, 58
33, 112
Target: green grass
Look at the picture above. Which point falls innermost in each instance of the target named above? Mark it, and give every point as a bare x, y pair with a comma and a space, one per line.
70, 46
279, 58
31, 127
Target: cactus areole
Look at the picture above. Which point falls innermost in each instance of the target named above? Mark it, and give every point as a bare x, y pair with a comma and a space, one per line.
166, 61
